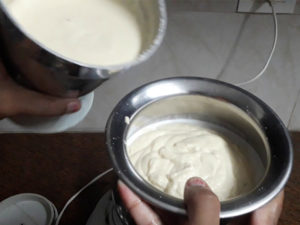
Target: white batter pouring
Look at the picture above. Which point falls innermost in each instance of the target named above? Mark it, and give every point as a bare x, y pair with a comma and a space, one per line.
97, 32
167, 155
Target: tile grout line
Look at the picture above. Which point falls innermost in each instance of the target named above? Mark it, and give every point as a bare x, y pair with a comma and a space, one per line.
293, 110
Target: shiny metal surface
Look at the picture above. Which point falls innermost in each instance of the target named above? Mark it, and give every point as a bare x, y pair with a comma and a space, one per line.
47, 71
220, 106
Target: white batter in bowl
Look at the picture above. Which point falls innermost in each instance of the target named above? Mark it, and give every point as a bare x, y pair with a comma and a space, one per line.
167, 154
96, 32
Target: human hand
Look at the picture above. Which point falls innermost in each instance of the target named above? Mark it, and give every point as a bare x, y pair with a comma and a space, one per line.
16, 100
203, 208
269, 214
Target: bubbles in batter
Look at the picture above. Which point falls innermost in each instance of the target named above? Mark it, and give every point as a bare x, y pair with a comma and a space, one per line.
167, 154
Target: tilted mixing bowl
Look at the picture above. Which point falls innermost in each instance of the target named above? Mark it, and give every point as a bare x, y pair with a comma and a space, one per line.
221, 106
47, 71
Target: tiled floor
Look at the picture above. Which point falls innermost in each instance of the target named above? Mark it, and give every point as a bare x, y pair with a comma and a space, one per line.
231, 47
294, 121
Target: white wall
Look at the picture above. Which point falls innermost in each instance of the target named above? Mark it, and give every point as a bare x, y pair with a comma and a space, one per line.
203, 5
229, 6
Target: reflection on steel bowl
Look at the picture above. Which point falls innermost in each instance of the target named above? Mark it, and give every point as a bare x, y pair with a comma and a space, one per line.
219, 106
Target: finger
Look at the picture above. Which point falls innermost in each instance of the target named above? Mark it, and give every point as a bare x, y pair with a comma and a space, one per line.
42, 105
27, 102
270, 213
3, 73
203, 206
140, 211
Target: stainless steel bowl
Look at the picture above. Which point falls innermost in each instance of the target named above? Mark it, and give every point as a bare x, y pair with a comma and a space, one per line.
47, 71
222, 106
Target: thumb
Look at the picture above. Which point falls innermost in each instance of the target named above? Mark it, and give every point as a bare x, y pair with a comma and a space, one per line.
203, 206
37, 104
21, 101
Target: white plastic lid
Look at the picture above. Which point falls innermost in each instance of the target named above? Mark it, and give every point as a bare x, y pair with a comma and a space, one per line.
27, 209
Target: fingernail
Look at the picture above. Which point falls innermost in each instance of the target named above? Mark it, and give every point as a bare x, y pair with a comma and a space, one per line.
72, 107
196, 181
120, 183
